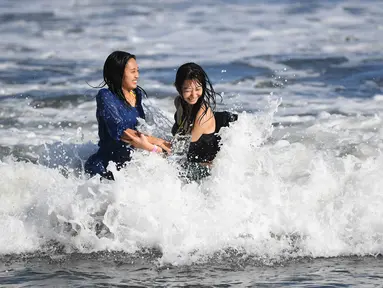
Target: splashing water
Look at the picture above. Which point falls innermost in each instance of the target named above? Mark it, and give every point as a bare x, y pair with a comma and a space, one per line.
268, 198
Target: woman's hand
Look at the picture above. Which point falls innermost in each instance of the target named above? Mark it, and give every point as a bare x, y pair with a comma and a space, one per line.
143, 141
146, 142
137, 139
165, 146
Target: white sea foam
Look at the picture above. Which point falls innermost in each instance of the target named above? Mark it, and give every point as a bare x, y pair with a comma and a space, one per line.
282, 199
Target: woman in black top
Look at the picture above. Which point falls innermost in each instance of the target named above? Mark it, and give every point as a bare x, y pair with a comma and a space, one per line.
195, 116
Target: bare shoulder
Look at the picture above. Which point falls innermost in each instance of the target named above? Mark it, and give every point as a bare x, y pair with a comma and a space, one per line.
205, 114
205, 120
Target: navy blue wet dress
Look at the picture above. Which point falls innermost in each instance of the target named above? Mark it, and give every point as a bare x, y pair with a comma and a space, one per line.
114, 116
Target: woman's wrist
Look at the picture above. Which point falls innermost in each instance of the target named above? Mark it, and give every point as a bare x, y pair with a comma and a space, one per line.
154, 149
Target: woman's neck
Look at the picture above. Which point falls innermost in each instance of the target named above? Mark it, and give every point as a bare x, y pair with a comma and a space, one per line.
126, 91
130, 97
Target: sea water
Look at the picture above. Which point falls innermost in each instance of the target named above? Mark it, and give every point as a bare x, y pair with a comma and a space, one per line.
294, 197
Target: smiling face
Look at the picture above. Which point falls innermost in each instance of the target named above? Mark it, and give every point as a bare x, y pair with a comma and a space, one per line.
131, 75
191, 91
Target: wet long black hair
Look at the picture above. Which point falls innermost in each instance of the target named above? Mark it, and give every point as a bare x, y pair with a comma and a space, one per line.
113, 72
192, 71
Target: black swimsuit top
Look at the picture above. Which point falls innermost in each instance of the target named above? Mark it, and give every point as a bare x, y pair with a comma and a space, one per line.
207, 146
204, 149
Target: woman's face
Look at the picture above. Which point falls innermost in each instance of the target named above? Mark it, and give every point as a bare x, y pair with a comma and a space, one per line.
191, 91
131, 75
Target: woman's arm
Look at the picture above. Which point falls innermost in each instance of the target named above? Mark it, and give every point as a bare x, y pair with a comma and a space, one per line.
165, 145
203, 124
142, 141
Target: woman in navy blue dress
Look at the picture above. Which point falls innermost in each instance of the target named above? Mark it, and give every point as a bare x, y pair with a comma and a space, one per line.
118, 108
